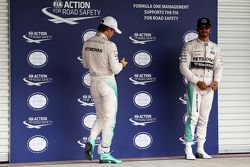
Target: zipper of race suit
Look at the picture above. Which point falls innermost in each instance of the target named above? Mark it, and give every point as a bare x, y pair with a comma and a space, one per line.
205, 60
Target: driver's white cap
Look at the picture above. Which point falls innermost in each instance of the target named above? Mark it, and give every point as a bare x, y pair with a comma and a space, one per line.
111, 22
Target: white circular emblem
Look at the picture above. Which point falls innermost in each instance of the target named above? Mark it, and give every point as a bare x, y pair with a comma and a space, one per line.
142, 99
86, 79
37, 58
88, 120
37, 144
37, 101
142, 58
190, 35
88, 34
143, 140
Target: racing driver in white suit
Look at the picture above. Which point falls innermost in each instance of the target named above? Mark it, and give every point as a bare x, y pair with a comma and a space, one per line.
201, 65
100, 56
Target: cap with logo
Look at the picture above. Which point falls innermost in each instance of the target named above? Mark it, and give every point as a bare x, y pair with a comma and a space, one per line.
111, 22
203, 22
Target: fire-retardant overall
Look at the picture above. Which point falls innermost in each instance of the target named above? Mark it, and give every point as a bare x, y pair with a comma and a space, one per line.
100, 56
200, 61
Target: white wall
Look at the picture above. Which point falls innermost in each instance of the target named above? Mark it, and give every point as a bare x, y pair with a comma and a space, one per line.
234, 92
4, 81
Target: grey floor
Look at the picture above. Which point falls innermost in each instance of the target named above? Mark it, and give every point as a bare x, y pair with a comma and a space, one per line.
217, 161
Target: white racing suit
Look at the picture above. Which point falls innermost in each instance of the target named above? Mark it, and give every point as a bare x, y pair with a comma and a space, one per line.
199, 62
99, 55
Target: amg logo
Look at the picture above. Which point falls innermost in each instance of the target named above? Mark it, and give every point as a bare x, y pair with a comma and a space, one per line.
93, 49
